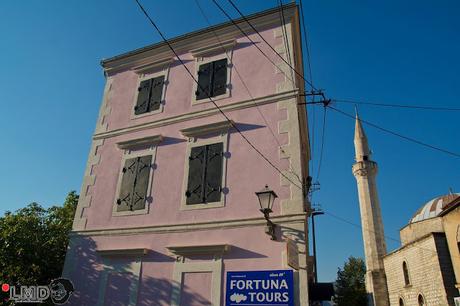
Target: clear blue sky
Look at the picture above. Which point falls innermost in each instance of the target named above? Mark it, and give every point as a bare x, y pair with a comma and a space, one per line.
389, 51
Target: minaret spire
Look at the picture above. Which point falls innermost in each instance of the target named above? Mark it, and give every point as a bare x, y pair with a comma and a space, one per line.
365, 171
362, 151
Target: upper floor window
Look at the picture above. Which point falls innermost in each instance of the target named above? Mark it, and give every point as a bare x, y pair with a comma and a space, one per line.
134, 183
150, 95
136, 175
205, 174
212, 79
406, 274
206, 166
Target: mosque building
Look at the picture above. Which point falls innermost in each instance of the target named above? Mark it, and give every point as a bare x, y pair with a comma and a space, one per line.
425, 269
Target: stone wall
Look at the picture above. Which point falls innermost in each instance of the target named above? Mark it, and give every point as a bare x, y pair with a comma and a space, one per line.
414, 231
424, 266
451, 223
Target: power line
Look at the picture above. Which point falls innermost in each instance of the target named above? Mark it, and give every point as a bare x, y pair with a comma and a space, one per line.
237, 72
371, 231
438, 108
307, 49
395, 133
252, 41
245, 86
209, 97
285, 37
257, 32
322, 144
307, 46
234, 125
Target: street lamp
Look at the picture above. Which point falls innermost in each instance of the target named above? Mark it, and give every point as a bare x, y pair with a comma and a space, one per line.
266, 199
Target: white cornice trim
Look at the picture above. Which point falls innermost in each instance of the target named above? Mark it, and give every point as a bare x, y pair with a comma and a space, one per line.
149, 140
198, 114
212, 48
194, 40
123, 252
187, 227
207, 128
217, 249
151, 65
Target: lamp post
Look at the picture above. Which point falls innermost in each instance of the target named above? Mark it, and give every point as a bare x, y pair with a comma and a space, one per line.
266, 199
315, 212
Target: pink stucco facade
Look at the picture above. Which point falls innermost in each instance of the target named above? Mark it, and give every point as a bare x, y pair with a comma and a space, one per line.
172, 253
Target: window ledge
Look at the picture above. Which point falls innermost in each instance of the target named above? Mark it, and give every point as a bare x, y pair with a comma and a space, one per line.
213, 48
123, 252
149, 140
199, 249
207, 129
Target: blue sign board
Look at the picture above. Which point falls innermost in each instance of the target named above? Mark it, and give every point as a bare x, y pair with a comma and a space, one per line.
269, 288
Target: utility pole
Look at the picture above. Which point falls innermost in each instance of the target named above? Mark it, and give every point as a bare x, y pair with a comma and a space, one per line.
315, 212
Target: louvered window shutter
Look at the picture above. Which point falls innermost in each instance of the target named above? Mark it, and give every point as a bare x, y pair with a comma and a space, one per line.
213, 178
156, 93
219, 86
205, 174
134, 183
197, 162
142, 105
144, 164
204, 81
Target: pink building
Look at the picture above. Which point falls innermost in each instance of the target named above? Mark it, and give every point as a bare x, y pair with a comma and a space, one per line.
168, 204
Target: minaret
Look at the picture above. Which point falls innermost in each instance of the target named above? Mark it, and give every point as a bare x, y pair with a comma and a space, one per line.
365, 171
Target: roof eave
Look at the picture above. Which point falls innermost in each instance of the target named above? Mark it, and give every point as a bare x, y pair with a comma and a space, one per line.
163, 48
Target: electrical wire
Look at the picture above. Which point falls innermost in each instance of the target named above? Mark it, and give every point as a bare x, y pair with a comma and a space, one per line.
322, 144
212, 100
245, 86
307, 45
257, 32
285, 38
371, 231
244, 137
437, 108
307, 49
395, 133
252, 41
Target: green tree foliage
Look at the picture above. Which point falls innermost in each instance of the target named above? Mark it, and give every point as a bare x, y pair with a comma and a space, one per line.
33, 242
350, 286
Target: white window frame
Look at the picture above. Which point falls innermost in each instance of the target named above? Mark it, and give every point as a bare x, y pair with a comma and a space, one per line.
195, 141
200, 60
128, 154
147, 76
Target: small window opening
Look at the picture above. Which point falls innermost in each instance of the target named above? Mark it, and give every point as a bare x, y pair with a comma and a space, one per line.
421, 300
406, 274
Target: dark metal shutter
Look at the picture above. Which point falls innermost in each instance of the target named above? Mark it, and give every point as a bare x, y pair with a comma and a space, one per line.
141, 182
134, 183
219, 86
127, 181
156, 93
213, 178
142, 104
197, 162
204, 81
